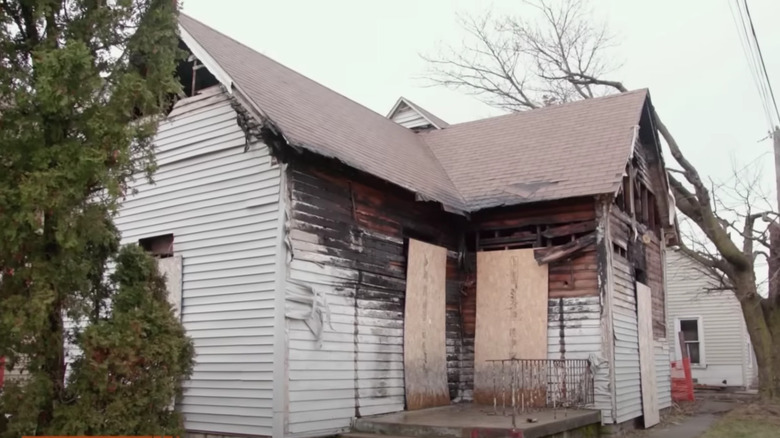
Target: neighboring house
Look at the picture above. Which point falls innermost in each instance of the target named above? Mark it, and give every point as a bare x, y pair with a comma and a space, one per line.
712, 324
329, 262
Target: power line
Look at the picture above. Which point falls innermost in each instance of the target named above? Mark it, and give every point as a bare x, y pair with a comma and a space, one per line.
750, 59
761, 58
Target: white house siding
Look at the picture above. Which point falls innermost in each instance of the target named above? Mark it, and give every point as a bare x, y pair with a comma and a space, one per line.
627, 372
725, 341
663, 374
579, 337
221, 204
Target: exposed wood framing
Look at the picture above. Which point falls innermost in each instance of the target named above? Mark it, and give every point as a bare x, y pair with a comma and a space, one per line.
636, 228
556, 253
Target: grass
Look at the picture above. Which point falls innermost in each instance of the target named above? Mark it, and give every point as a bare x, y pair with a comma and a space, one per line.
750, 421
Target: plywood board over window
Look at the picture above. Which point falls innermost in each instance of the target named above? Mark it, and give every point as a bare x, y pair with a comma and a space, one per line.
425, 349
644, 308
171, 268
511, 315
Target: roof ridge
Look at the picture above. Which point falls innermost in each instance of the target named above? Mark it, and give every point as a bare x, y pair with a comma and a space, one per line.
442, 189
295, 72
553, 107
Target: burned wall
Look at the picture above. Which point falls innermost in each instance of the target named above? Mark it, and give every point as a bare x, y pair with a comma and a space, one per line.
355, 228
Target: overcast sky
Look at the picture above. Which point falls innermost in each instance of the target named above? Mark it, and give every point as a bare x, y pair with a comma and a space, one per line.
686, 52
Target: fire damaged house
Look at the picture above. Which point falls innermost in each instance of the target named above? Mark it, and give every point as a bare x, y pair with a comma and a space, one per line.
332, 264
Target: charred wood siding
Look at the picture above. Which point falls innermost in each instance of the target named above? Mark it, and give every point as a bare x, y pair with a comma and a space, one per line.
631, 255
573, 291
547, 224
644, 256
655, 279
348, 234
647, 170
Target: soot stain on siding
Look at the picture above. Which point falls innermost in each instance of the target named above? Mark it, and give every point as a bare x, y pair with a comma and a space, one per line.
365, 230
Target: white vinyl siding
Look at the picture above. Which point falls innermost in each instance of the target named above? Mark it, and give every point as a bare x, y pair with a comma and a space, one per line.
408, 117
581, 340
627, 371
722, 330
663, 374
220, 202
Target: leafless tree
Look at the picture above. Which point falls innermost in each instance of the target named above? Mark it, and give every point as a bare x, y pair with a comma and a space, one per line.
520, 64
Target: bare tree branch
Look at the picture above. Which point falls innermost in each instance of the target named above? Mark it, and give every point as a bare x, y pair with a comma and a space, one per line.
520, 64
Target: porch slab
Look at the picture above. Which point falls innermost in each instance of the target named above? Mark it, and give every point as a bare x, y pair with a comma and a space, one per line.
477, 421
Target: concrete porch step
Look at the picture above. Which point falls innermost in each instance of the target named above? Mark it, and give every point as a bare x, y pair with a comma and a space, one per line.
372, 429
469, 421
368, 435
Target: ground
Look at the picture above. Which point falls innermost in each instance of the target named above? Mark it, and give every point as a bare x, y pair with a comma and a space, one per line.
750, 421
718, 416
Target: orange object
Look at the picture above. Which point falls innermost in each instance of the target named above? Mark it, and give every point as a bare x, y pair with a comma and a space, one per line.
682, 380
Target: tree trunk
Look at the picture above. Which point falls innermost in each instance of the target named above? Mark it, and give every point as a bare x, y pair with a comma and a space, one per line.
771, 389
763, 326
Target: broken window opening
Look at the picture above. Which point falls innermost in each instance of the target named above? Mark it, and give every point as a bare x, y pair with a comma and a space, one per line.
158, 246
640, 275
620, 250
192, 74
532, 236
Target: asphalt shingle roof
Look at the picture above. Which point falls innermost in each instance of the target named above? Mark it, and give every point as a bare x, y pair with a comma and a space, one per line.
563, 151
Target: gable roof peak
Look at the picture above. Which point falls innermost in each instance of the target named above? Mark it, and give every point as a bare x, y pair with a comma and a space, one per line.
410, 115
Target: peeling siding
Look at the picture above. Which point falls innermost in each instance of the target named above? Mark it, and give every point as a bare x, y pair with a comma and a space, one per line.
663, 374
573, 327
574, 332
724, 333
221, 205
348, 244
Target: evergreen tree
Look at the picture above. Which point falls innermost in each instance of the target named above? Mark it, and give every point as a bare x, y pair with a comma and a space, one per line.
83, 84
129, 372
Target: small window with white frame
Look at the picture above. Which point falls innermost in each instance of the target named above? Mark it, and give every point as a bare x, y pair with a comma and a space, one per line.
692, 339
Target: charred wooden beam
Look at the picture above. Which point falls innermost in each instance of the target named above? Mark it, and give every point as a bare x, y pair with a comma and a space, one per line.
530, 238
573, 228
555, 253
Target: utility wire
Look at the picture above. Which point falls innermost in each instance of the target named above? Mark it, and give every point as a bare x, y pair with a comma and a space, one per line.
761, 58
750, 59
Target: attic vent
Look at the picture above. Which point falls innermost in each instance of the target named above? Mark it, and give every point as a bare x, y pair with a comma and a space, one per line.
412, 116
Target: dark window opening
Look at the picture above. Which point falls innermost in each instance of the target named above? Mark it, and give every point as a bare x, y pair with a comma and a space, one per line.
158, 246
640, 275
192, 74
690, 331
619, 250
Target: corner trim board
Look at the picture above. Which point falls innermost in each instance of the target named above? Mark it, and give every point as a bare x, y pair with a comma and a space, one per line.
280, 391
